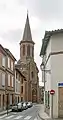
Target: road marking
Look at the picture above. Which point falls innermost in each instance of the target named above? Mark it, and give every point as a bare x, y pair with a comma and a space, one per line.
27, 118
18, 117
14, 113
35, 118
3, 116
9, 117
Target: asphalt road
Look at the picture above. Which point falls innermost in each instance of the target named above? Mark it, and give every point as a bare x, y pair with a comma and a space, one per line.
29, 114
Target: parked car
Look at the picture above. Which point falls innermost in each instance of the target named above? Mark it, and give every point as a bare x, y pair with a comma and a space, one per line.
18, 107
25, 106
29, 104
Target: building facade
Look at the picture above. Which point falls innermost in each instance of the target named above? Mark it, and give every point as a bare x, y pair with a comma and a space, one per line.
20, 86
27, 64
52, 61
2, 77
7, 87
10, 78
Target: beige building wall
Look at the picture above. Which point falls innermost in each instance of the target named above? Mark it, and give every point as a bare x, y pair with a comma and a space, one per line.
55, 65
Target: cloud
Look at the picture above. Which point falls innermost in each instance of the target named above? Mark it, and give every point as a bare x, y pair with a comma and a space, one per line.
13, 47
12, 35
43, 15
45, 9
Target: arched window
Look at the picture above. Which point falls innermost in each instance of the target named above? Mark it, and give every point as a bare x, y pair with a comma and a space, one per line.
32, 75
32, 51
28, 50
23, 50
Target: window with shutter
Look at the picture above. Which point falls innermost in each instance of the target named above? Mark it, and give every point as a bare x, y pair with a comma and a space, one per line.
12, 81
3, 79
8, 80
12, 65
3, 61
8, 62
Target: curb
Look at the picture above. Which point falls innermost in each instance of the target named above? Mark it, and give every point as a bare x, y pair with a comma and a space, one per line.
40, 117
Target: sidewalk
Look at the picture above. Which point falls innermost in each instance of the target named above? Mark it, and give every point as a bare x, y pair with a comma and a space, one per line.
4, 112
43, 116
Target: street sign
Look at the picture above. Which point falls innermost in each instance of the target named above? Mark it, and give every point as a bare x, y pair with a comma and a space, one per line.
60, 84
52, 92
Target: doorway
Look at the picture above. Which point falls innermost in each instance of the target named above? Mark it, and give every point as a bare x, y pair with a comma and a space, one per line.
3, 101
34, 97
60, 101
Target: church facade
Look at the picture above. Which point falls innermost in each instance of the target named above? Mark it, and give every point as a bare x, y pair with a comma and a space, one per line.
27, 65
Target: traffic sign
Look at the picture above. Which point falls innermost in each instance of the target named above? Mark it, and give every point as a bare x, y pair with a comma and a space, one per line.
52, 92
60, 84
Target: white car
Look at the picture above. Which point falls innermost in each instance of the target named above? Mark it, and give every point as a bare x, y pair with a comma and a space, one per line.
29, 104
17, 107
25, 106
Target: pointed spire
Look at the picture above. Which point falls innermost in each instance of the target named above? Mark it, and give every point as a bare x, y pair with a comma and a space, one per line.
27, 31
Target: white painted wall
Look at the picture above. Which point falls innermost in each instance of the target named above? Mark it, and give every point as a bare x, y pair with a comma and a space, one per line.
47, 74
57, 43
55, 63
56, 77
48, 67
57, 69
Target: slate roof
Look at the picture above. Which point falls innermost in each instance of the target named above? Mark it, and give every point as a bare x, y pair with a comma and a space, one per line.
27, 37
9, 53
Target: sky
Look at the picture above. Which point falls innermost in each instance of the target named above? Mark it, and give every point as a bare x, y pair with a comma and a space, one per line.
43, 15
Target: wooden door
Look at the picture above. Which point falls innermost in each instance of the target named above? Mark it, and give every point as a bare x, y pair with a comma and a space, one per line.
60, 102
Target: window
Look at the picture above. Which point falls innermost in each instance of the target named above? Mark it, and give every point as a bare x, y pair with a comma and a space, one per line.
48, 98
8, 62
16, 86
3, 61
16, 75
0, 100
12, 65
12, 81
33, 51
22, 80
3, 79
23, 49
32, 75
28, 50
3, 100
11, 99
21, 89
8, 80
21, 98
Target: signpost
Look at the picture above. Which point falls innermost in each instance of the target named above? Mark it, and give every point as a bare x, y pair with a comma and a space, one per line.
52, 92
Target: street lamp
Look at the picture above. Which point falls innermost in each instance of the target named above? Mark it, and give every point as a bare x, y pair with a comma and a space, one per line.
42, 66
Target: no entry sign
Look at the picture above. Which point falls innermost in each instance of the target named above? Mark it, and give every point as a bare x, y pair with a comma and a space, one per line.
52, 92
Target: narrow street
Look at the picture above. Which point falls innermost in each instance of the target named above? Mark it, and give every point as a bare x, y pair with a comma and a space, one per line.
29, 114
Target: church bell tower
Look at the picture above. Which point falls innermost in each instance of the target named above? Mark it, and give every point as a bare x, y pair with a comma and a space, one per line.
27, 44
